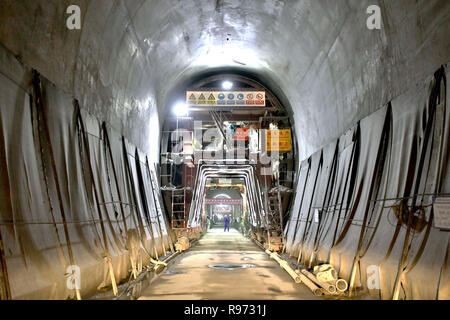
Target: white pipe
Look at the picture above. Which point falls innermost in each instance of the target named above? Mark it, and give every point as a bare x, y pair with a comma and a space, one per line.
285, 266
330, 288
341, 285
298, 278
315, 289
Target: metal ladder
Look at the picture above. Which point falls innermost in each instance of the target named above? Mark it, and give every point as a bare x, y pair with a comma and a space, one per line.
160, 207
274, 219
178, 208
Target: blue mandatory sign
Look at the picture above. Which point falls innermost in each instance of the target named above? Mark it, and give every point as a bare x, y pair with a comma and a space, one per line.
221, 96
240, 98
230, 96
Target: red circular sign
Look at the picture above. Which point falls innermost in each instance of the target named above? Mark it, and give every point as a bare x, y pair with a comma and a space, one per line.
259, 96
250, 96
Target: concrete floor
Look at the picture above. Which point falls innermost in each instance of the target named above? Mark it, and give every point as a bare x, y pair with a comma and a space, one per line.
190, 277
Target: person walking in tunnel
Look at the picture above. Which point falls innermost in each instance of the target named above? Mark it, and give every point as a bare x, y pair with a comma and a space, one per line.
208, 223
227, 224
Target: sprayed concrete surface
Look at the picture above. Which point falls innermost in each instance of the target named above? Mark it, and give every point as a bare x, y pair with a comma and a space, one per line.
190, 276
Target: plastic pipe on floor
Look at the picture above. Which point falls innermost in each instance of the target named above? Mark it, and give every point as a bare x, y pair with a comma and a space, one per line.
311, 285
341, 285
285, 266
298, 278
328, 287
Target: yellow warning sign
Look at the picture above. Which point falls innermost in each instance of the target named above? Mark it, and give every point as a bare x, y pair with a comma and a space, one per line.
201, 99
211, 100
278, 140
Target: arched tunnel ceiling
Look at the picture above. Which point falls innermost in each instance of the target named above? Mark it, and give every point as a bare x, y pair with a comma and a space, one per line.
129, 54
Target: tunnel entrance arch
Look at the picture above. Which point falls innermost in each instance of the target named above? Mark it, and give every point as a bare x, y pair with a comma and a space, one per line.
232, 117
224, 200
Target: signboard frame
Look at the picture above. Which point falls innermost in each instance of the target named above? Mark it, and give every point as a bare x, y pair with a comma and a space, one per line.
222, 201
241, 134
437, 211
283, 139
228, 99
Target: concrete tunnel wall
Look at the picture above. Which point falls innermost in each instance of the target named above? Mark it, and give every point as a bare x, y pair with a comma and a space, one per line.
129, 54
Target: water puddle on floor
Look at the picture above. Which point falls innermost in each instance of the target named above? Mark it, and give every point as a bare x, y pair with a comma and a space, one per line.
231, 266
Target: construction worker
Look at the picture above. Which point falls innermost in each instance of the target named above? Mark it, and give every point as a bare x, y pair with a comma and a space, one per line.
208, 223
227, 224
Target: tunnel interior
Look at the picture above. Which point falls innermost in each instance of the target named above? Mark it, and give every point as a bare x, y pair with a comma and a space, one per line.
129, 129
214, 132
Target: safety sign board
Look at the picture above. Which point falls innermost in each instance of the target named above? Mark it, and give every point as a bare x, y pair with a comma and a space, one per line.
241, 134
226, 98
441, 208
278, 140
221, 201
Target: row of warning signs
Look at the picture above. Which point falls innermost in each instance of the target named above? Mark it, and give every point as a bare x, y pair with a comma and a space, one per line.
227, 98
222, 201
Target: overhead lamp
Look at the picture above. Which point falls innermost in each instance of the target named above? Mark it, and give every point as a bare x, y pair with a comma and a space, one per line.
227, 85
181, 109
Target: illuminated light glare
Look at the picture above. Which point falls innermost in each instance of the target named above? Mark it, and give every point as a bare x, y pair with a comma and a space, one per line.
227, 85
180, 109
